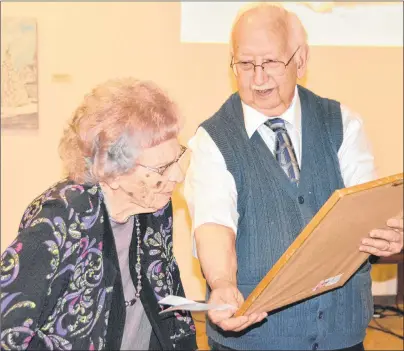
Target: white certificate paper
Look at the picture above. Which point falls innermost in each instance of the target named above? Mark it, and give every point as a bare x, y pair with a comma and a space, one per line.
181, 303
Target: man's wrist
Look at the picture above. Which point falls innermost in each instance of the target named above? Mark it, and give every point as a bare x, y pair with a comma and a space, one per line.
222, 283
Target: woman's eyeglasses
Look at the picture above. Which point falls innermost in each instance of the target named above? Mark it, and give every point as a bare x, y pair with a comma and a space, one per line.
162, 169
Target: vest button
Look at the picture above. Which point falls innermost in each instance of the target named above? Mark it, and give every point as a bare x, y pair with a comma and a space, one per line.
320, 315
300, 199
315, 346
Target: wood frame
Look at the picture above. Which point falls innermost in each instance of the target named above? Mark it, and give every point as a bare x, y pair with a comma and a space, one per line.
294, 276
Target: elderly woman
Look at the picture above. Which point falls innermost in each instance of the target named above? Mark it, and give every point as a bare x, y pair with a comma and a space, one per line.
94, 252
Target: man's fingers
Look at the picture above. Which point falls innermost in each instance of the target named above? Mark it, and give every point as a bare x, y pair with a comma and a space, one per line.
239, 298
222, 297
217, 316
233, 323
384, 242
374, 251
382, 245
395, 223
263, 315
244, 326
389, 235
239, 323
252, 319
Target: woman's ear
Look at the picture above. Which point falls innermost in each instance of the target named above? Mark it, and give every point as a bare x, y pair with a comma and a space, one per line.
112, 184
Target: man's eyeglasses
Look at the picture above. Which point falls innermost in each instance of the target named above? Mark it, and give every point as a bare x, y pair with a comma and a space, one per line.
270, 67
162, 169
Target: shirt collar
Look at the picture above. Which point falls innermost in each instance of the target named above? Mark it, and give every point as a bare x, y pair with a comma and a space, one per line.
253, 119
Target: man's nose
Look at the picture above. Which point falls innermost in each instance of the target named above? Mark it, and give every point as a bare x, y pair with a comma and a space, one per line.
260, 76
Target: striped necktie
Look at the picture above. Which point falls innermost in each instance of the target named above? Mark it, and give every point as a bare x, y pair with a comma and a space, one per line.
284, 152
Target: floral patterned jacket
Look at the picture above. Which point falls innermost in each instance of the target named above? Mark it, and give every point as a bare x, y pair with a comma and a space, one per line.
61, 286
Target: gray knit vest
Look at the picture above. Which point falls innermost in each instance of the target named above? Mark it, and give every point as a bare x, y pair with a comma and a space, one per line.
272, 213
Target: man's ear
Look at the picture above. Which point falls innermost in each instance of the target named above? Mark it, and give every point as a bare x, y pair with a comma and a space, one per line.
302, 60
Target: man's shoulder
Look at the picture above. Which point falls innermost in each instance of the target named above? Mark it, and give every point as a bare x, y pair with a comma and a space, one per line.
303, 91
223, 112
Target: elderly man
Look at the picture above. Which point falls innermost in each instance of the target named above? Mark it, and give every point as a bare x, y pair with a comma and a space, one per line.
262, 166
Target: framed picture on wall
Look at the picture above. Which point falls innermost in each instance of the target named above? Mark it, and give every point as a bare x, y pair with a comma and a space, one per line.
19, 73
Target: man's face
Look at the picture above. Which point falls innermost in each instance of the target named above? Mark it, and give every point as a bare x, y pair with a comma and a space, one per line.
269, 93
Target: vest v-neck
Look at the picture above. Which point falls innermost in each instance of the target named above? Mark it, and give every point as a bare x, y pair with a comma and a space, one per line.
272, 166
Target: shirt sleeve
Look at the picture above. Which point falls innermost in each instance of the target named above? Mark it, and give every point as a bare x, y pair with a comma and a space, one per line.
209, 189
355, 154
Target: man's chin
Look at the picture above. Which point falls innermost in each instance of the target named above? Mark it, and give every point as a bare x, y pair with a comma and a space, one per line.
271, 108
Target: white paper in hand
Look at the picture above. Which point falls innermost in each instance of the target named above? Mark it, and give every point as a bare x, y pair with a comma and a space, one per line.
181, 303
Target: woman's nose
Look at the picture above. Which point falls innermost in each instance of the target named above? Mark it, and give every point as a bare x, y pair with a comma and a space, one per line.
177, 174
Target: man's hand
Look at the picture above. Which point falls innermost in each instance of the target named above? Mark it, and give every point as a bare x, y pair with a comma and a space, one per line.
227, 293
385, 242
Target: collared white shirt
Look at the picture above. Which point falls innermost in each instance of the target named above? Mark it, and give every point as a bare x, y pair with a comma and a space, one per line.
210, 189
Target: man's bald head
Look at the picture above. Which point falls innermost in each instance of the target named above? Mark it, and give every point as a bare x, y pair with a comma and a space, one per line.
274, 18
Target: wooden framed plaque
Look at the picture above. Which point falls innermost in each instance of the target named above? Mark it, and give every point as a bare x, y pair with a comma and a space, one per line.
325, 254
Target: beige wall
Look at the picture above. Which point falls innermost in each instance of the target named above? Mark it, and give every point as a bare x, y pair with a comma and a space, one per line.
90, 42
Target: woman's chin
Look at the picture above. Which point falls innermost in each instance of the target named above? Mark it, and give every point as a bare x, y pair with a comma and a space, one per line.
163, 200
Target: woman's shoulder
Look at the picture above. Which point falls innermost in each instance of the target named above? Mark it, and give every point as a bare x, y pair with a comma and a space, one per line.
69, 193
64, 199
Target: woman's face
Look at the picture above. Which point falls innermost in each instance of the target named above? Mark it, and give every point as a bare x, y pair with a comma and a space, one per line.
152, 181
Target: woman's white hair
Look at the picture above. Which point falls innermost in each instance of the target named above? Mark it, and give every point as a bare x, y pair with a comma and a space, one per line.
296, 31
115, 122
